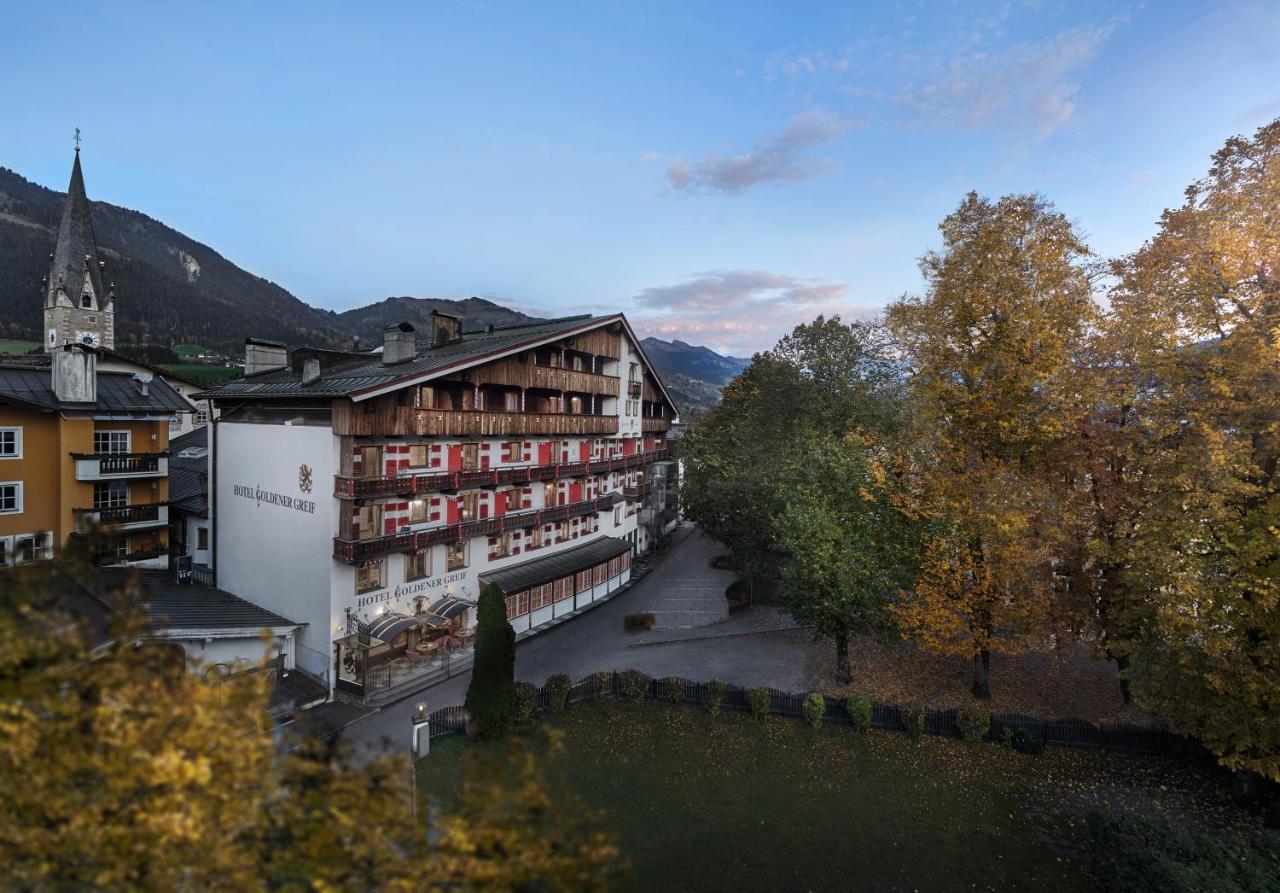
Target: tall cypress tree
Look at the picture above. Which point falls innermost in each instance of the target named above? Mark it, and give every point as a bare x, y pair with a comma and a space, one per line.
491, 694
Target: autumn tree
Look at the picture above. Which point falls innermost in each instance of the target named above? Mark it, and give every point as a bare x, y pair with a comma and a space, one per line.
121, 770
1195, 321
992, 349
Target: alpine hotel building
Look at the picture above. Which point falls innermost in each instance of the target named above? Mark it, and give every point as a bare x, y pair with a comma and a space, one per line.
370, 496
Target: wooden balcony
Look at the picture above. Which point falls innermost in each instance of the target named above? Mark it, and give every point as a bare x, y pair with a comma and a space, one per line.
513, 373
398, 421
411, 485
353, 551
648, 425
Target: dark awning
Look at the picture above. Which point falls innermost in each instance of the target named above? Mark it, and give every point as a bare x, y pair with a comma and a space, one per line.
562, 564
444, 611
387, 626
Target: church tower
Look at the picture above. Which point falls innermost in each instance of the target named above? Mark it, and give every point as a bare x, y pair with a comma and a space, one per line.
79, 308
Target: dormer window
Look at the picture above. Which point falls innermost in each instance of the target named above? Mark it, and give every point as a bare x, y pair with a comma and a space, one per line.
86, 300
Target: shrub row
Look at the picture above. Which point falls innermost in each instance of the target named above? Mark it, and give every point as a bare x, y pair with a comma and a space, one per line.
973, 723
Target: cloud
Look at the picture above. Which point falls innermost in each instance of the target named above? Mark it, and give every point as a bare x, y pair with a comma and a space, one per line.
1034, 83
778, 158
738, 311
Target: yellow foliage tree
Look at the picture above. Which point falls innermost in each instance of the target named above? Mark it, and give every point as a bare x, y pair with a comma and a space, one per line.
1195, 325
121, 770
991, 348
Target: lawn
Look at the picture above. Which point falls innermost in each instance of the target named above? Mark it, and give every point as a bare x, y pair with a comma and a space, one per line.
205, 374
744, 804
190, 350
10, 345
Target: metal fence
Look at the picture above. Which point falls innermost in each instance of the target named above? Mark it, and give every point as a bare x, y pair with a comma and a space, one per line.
1126, 737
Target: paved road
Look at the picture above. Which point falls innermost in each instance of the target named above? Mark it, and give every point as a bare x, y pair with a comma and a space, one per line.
686, 596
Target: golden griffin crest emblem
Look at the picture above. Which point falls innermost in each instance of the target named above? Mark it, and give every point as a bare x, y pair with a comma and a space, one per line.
304, 478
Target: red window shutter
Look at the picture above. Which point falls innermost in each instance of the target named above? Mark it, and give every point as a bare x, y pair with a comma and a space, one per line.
584, 451
451, 510
544, 453
455, 457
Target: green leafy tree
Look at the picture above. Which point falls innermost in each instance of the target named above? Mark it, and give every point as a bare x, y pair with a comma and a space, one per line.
850, 550
491, 693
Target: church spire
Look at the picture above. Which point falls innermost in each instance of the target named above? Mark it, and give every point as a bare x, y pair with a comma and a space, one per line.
77, 305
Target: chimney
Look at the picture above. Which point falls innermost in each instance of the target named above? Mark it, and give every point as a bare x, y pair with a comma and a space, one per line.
445, 327
355, 344
75, 374
310, 370
264, 356
144, 382
399, 343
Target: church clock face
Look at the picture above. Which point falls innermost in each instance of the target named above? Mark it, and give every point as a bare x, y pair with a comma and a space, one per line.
88, 339
52, 338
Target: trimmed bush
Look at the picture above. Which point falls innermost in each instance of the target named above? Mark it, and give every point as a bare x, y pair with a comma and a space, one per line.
912, 719
633, 685
604, 684
673, 688
859, 714
558, 688
760, 700
715, 696
491, 693
1022, 741
637, 623
526, 701
815, 707
974, 723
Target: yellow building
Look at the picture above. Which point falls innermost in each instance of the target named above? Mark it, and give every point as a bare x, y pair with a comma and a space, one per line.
80, 448
83, 448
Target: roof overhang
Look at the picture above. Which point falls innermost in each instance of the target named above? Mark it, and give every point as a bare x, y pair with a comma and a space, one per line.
220, 632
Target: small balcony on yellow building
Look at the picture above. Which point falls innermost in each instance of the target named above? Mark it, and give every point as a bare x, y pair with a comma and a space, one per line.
111, 466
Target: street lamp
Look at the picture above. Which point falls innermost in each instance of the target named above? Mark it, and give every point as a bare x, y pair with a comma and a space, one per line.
420, 744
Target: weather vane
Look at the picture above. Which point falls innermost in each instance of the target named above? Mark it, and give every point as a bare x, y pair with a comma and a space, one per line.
77, 139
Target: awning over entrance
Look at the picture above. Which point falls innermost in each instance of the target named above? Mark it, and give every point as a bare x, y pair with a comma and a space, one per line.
443, 611
562, 564
387, 626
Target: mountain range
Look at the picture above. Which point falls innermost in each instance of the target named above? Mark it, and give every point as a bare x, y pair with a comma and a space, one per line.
174, 290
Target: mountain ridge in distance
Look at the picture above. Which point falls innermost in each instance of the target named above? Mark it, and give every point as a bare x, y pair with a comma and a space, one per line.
172, 289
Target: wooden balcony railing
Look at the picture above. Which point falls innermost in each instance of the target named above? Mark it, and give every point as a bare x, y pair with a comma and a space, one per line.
411, 485
140, 515
395, 421
655, 424
352, 551
513, 373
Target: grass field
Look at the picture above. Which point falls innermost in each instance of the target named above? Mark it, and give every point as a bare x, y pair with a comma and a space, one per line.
189, 350
744, 804
203, 373
8, 345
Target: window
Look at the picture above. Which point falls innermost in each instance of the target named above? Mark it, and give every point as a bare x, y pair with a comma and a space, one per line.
517, 605
455, 556
6, 551
11, 498
417, 564
202, 537
564, 588
109, 494
417, 511
111, 441
33, 547
417, 455
512, 451
469, 505
10, 443
369, 575
201, 418
617, 514
584, 581
86, 302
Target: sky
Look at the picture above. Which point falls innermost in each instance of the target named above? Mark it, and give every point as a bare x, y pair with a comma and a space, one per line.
718, 171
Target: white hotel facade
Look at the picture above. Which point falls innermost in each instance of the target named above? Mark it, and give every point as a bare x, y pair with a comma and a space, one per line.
369, 497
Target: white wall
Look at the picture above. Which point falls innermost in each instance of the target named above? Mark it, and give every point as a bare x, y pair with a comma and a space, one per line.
274, 539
